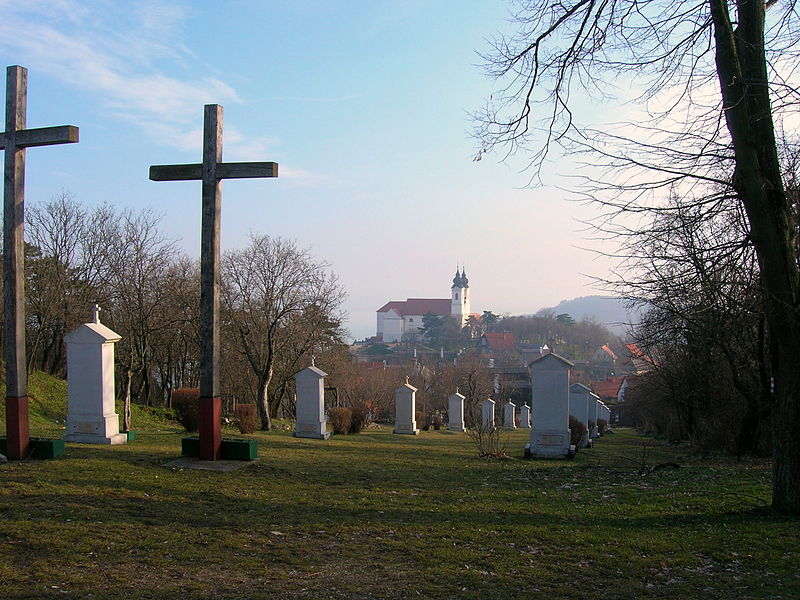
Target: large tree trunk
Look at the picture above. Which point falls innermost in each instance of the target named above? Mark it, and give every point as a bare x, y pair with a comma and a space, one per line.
263, 401
126, 402
741, 67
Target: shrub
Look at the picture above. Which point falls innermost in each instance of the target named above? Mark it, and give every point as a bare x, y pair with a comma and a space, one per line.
246, 418
577, 429
590, 425
340, 418
601, 426
184, 402
358, 419
422, 420
437, 421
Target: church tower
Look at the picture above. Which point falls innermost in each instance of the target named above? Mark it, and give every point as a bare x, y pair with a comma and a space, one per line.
459, 297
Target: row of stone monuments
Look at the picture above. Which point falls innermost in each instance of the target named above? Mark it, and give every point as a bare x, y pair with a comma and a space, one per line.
91, 416
554, 400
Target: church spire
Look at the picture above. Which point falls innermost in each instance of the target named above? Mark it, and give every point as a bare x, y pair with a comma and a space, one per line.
464, 280
457, 281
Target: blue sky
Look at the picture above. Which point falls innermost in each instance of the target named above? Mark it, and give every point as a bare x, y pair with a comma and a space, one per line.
365, 105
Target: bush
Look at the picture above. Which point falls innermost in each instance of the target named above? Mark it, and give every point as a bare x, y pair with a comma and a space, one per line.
437, 421
601, 426
340, 418
421, 419
590, 425
246, 418
577, 429
184, 403
358, 419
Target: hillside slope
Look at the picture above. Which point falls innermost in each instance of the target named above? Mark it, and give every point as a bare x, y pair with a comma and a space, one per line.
48, 409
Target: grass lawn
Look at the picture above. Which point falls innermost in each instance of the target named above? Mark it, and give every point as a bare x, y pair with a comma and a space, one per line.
379, 515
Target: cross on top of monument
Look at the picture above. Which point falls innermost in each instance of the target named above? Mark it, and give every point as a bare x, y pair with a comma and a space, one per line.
96, 313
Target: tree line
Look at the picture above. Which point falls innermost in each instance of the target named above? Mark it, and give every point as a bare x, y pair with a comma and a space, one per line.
279, 304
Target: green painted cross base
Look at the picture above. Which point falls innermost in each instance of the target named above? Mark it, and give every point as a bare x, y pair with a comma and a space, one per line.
39, 448
231, 449
131, 435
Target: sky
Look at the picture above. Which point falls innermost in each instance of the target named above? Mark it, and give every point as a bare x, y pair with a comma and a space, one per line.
364, 104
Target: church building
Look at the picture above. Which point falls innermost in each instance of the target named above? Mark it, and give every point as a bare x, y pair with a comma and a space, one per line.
398, 318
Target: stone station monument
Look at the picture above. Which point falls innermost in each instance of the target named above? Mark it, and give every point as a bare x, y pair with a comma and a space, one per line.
90, 384
310, 421
550, 435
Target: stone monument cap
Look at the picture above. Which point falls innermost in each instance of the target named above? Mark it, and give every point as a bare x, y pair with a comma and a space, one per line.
549, 357
406, 386
312, 369
579, 387
92, 333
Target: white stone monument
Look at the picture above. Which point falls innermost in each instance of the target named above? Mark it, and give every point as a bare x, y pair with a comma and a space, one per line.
580, 407
455, 412
525, 417
550, 435
487, 414
310, 421
509, 412
405, 407
90, 385
594, 414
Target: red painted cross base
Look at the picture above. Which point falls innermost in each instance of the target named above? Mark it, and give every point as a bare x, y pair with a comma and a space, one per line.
209, 427
17, 435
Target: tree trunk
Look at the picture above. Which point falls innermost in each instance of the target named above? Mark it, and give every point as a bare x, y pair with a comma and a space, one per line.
741, 67
126, 402
263, 402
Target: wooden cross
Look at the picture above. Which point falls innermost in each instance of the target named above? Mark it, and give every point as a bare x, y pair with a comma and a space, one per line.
212, 171
14, 140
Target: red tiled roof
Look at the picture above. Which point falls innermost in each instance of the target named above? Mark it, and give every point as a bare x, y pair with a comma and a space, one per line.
418, 306
501, 341
608, 351
608, 388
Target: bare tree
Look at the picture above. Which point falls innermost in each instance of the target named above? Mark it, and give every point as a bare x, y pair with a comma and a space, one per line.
266, 288
135, 287
707, 146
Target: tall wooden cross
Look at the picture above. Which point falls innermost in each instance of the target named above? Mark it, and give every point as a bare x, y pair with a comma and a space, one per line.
14, 140
212, 171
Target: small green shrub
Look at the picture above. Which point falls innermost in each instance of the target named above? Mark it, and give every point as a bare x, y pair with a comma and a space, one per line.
184, 403
340, 417
246, 418
576, 429
601, 426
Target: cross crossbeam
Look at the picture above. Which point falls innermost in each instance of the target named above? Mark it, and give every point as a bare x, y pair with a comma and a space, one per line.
14, 140
211, 172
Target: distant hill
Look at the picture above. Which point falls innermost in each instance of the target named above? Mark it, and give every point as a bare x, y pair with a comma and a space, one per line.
608, 310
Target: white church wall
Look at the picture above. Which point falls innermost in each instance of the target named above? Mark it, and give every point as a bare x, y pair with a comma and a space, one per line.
392, 326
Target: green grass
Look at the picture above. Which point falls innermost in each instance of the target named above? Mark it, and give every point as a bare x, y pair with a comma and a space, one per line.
385, 516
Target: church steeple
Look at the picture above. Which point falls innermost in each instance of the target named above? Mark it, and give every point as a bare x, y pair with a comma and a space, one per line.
459, 297
457, 281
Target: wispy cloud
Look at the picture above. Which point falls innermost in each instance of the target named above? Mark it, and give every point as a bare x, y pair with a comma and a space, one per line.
116, 64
